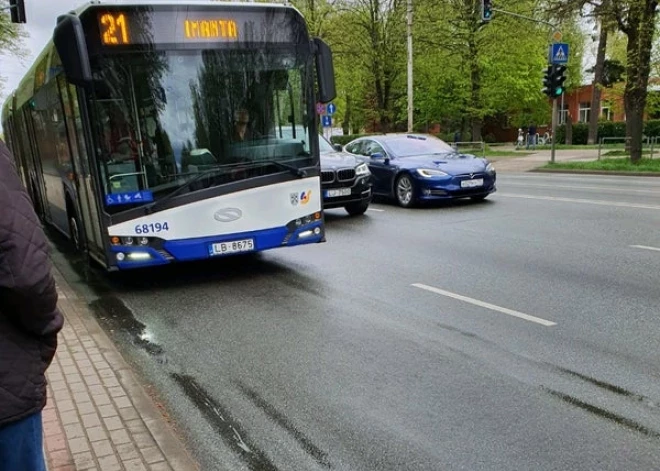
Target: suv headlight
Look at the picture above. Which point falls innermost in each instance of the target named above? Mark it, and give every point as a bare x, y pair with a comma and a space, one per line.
362, 169
490, 169
429, 172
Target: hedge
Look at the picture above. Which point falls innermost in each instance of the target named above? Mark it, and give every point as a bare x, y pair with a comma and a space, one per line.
605, 129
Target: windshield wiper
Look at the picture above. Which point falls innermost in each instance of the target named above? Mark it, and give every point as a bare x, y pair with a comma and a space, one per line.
150, 208
298, 172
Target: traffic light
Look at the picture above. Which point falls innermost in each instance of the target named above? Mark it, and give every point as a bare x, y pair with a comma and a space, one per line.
17, 11
553, 80
486, 10
560, 78
548, 81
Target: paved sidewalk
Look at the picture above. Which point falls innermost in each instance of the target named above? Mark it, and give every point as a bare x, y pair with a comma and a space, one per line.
98, 415
539, 158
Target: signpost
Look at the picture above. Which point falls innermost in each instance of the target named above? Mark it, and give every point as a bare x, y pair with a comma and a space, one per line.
331, 108
320, 108
557, 54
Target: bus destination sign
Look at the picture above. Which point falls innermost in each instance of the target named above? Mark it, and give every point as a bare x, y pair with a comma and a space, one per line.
122, 28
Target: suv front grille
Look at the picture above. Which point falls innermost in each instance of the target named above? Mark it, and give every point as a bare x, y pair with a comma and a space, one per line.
327, 176
346, 174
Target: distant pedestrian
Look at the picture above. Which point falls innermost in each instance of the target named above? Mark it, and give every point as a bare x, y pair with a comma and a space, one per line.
531, 136
29, 323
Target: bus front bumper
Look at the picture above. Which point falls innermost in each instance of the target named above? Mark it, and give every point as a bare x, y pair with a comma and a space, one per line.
164, 252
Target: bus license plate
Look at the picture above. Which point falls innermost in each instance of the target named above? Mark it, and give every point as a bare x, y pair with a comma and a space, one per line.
235, 246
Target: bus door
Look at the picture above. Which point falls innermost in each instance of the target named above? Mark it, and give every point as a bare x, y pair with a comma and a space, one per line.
88, 212
36, 177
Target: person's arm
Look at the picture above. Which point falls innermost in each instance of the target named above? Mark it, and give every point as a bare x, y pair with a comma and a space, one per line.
27, 289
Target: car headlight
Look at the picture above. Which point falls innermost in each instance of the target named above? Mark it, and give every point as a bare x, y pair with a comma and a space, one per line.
362, 169
490, 169
429, 172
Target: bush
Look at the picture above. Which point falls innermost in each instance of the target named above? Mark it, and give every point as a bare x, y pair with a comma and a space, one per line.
605, 129
651, 128
580, 134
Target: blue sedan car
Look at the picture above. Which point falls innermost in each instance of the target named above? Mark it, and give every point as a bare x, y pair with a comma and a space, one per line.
413, 168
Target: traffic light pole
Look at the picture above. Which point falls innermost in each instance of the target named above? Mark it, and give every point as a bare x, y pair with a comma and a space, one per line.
554, 130
528, 18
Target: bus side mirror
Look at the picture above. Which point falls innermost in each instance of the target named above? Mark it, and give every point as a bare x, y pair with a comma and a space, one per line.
325, 71
69, 40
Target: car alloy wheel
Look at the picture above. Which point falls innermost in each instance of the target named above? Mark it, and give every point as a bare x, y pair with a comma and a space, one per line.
405, 191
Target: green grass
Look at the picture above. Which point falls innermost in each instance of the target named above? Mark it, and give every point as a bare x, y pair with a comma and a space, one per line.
614, 165
622, 153
503, 153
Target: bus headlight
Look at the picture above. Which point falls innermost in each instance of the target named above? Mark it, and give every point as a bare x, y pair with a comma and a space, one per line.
138, 256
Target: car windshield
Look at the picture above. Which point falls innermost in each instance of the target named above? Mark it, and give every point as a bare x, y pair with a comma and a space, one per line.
325, 146
162, 117
409, 146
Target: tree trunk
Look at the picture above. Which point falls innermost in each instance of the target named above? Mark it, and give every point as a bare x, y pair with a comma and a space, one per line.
599, 70
641, 25
346, 123
475, 92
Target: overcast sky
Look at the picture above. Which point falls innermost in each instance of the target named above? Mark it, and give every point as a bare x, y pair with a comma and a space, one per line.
41, 16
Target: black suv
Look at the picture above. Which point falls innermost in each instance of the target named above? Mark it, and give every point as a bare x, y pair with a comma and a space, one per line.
345, 181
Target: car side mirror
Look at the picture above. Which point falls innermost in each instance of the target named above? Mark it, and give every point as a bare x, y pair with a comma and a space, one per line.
337, 147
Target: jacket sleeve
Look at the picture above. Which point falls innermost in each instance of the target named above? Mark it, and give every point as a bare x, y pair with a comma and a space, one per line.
27, 289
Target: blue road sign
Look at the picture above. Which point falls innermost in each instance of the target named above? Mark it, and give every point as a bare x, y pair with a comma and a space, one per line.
559, 53
331, 108
131, 197
326, 121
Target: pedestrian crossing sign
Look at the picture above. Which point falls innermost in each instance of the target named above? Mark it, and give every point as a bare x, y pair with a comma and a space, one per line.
559, 53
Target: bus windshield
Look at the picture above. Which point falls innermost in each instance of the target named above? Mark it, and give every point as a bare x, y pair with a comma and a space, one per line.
162, 117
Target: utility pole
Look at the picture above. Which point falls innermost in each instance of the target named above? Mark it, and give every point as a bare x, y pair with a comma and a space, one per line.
410, 66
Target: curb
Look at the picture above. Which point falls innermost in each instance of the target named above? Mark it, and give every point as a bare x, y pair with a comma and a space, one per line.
157, 425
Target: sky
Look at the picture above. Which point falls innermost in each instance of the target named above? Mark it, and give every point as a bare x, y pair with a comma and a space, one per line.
41, 16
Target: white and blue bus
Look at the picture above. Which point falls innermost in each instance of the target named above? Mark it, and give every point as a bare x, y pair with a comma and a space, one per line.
152, 133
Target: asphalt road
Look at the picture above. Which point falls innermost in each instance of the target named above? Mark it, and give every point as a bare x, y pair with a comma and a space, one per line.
521, 333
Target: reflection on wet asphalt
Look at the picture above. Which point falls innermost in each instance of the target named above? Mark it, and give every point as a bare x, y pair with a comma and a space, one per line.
323, 357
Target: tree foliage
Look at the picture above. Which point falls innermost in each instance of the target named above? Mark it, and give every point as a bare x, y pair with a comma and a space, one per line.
637, 20
464, 71
12, 37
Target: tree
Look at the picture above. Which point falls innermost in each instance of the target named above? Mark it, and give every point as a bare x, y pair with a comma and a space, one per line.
636, 19
599, 76
472, 71
12, 37
374, 51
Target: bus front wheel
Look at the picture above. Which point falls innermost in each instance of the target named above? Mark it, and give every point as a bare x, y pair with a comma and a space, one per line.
74, 227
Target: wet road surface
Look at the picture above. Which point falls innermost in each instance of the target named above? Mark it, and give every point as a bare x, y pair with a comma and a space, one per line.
517, 333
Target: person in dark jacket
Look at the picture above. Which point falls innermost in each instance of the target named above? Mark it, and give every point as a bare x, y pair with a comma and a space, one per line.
29, 323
